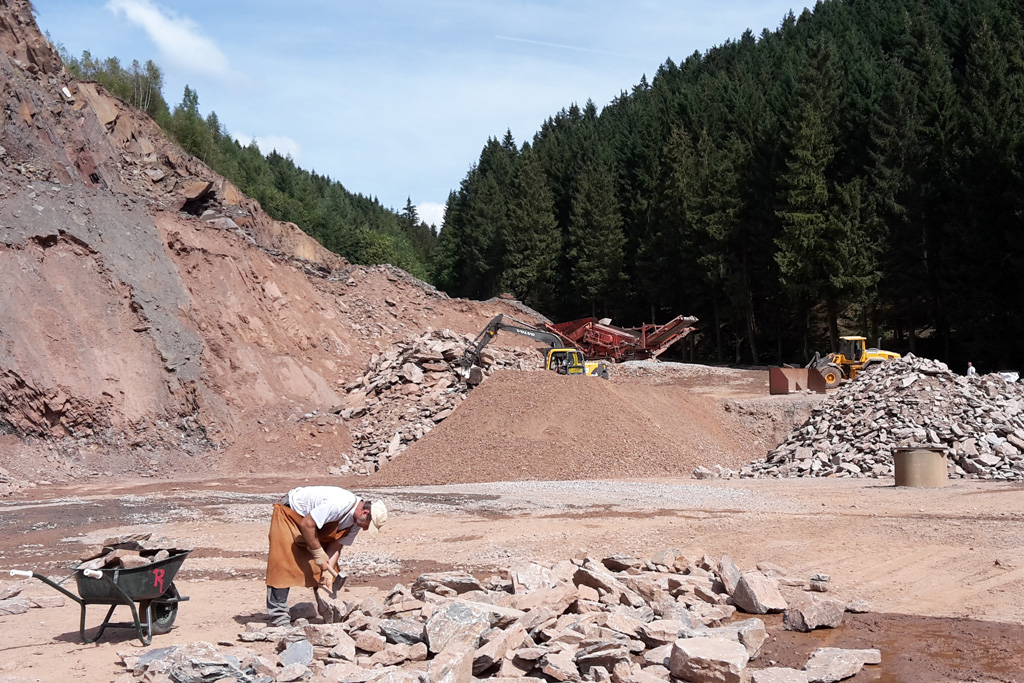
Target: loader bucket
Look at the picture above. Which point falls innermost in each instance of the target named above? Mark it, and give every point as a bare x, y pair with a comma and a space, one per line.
789, 380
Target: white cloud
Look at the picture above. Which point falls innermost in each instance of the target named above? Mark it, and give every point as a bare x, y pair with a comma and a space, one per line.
284, 145
431, 213
179, 39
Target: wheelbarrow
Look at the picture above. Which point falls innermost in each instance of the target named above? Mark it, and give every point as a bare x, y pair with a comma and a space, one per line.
152, 586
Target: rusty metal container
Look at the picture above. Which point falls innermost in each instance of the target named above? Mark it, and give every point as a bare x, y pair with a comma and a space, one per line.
922, 467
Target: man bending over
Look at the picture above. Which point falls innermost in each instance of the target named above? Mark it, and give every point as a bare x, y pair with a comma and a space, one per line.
307, 531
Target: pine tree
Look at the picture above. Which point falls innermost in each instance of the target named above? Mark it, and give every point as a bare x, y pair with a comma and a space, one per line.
806, 247
668, 254
448, 265
596, 240
934, 202
893, 140
982, 247
533, 241
714, 214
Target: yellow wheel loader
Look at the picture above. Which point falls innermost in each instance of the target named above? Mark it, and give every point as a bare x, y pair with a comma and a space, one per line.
852, 358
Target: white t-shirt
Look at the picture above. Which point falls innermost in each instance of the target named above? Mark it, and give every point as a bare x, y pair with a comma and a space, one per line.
327, 504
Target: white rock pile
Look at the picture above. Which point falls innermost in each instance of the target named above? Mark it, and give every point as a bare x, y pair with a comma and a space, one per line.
906, 403
617, 620
409, 389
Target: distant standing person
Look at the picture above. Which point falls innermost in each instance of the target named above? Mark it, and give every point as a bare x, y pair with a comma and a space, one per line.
971, 372
309, 527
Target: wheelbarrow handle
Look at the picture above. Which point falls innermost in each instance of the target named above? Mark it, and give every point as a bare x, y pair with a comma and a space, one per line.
48, 581
93, 573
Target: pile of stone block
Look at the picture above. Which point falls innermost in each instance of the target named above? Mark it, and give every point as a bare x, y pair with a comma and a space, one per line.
125, 552
409, 389
907, 403
619, 619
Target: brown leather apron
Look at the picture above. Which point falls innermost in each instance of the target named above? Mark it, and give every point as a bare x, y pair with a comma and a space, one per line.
290, 563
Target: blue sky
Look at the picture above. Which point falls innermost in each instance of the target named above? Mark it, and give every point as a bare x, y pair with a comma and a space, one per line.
396, 98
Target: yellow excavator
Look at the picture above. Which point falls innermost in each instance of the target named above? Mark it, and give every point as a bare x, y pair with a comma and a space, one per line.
853, 357
565, 360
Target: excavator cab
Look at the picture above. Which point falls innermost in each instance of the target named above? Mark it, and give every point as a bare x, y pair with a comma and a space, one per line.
564, 361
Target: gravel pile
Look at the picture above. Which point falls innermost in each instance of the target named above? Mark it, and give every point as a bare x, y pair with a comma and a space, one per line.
906, 403
543, 426
644, 368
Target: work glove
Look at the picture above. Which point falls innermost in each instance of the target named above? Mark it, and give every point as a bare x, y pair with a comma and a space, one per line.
324, 562
321, 559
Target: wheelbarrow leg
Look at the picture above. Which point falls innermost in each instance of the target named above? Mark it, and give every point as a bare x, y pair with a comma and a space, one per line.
147, 637
102, 627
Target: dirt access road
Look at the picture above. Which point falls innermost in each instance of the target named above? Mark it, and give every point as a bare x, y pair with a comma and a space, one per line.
941, 568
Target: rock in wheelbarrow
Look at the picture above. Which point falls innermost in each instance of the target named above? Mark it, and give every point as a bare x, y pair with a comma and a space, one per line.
97, 563
133, 561
114, 559
132, 541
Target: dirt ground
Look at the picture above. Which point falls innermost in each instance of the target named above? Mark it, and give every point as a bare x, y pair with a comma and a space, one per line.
940, 567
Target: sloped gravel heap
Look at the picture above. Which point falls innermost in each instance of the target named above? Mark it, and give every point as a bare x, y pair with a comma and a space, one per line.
620, 619
410, 388
909, 402
520, 426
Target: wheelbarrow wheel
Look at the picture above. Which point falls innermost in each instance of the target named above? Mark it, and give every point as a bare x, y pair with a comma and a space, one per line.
162, 614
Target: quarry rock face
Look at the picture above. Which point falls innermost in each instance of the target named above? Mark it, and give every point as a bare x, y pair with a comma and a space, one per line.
154, 320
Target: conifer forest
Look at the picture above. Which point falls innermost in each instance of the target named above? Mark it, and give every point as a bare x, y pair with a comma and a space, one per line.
856, 171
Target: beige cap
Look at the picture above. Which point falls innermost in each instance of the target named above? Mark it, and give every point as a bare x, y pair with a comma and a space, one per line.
378, 516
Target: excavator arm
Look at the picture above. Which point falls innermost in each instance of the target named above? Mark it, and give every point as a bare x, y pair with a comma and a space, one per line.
498, 323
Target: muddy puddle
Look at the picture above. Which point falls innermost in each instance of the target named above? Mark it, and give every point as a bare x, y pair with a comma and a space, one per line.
914, 649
